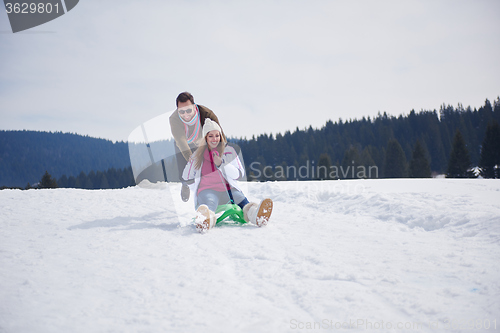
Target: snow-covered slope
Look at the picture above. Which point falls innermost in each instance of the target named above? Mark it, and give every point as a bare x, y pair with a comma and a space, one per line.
374, 254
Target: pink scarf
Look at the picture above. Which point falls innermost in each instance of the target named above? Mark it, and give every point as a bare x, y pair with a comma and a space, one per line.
193, 122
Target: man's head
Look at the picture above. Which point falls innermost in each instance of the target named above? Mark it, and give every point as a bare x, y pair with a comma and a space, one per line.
185, 107
184, 97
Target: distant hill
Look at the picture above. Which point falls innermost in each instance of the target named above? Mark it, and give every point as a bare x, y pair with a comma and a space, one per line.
26, 155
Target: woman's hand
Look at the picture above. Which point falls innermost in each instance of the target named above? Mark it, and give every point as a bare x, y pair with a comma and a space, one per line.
217, 158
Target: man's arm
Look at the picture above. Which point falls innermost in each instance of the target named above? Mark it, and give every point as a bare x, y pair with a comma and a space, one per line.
177, 129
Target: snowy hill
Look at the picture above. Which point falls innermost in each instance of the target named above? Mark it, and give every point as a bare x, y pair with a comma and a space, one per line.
376, 254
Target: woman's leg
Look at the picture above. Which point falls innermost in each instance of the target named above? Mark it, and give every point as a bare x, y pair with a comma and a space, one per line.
209, 198
239, 198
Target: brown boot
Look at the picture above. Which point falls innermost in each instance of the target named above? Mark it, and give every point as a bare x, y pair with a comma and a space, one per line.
258, 214
205, 219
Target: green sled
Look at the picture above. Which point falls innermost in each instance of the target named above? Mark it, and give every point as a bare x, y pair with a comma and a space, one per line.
230, 212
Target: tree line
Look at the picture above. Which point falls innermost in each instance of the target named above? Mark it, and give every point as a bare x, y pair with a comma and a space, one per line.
109, 179
26, 155
418, 144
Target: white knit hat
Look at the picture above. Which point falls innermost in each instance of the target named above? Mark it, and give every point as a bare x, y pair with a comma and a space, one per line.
210, 125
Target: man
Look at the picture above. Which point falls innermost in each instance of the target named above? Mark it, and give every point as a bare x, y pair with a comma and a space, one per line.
186, 124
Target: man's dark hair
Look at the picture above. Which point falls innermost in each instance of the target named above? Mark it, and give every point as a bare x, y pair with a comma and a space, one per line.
184, 97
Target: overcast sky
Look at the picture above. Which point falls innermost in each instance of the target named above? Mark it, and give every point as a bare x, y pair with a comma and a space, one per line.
262, 66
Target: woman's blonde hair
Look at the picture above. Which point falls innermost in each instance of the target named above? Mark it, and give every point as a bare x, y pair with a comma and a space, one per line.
198, 154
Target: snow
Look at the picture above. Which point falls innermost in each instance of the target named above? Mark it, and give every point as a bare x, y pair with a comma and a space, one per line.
366, 254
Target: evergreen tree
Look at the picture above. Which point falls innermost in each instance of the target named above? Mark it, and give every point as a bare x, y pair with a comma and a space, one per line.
280, 172
489, 162
88, 184
369, 165
71, 182
259, 168
104, 182
395, 160
63, 181
47, 181
127, 177
459, 163
81, 180
324, 167
91, 181
350, 163
419, 164
78, 183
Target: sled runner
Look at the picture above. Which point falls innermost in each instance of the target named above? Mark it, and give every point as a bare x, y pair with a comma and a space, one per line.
230, 212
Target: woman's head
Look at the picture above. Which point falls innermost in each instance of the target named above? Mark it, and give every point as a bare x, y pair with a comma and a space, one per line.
212, 133
213, 139
209, 126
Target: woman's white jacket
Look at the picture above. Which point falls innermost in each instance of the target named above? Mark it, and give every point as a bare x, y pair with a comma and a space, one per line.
231, 169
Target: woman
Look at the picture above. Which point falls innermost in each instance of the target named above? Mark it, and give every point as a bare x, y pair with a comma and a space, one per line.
215, 168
